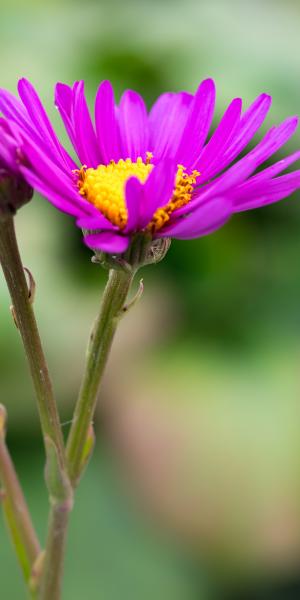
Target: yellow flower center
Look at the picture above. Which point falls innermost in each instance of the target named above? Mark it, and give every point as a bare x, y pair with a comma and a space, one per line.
104, 187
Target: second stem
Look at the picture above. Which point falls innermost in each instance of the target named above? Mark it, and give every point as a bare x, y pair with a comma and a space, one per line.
114, 298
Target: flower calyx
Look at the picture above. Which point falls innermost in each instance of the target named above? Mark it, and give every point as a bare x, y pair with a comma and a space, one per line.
142, 251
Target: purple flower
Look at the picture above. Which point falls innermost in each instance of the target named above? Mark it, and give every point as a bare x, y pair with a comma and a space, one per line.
149, 172
14, 190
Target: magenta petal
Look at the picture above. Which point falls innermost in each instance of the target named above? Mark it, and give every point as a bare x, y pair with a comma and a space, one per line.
56, 179
106, 123
229, 180
134, 197
234, 176
133, 122
58, 200
203, 220
9, 145
266, 192
41, 121
158, 189
198, 123
13, 130
48, 170
274, 139
167, 120
63, 96
219, 141
107, 242
6, 155
13, 109
96, 222
249, 125
74, 111
36, 111
86, 139
240, 171
267, 174
64, 104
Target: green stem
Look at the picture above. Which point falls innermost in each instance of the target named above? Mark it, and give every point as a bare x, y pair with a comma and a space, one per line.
23, 310
56, 473
15, 509
112, 305
50, 588
61, 499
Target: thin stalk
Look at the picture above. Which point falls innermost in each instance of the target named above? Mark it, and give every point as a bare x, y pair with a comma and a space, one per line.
101, 338
61, 498
15, 509
51, 583
56, 473
25, 320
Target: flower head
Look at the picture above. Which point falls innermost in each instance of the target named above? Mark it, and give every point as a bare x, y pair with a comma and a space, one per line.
151, 173
14, 190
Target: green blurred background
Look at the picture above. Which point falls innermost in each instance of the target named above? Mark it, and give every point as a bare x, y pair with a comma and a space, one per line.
194, 488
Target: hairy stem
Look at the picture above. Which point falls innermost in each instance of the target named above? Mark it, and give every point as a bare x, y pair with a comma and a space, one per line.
101, 338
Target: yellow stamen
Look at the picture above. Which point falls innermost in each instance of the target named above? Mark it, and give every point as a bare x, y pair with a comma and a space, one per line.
104, 187
184, 185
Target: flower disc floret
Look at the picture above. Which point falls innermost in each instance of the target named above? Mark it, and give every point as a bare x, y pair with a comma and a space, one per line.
104, 187
184, 187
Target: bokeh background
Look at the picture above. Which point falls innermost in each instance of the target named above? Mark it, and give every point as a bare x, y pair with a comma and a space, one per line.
194, 488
